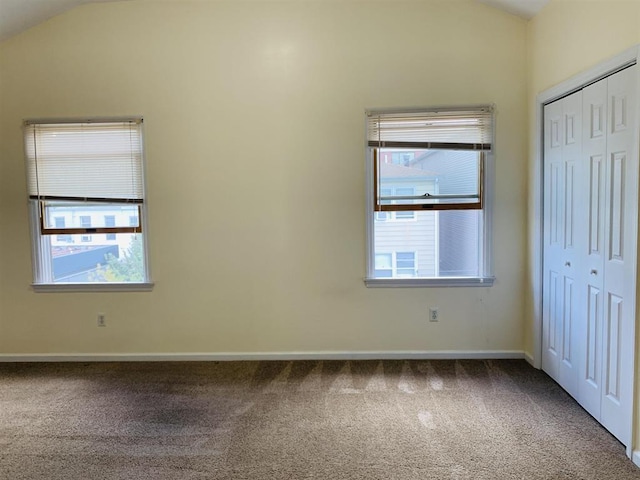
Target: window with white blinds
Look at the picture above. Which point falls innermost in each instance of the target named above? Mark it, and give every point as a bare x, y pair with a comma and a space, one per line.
430, 164
85, 181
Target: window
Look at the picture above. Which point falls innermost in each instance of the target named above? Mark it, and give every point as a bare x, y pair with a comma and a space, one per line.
86, 189
384, 265
109, 222
429, 178
395, 265
85, 223
404, 214
60, 223
405, 264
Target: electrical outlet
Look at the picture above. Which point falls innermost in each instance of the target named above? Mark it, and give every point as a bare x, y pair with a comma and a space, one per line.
102, 320
434, 315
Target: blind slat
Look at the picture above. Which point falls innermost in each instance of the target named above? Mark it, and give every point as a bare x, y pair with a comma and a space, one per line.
85, 160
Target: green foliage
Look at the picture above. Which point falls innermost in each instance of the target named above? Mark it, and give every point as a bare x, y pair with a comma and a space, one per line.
128, 268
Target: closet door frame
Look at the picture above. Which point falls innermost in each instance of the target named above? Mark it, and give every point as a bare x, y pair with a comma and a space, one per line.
619, 62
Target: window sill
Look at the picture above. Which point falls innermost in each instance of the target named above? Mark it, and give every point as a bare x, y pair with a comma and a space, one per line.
92, 287
429, 282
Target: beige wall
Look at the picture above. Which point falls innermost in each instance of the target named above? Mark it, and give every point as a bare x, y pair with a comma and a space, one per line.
568, 37
254, 134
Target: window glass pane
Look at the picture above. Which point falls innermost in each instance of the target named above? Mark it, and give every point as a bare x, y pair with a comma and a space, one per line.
429, 172
437, 244
87, 215
79, 260
459, 240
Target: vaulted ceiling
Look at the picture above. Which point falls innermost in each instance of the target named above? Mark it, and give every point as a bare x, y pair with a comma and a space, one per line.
19, 15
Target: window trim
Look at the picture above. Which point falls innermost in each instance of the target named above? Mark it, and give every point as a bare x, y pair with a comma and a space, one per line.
39, 253
488, 184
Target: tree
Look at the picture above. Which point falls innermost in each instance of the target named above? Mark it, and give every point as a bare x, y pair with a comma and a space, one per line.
128, 268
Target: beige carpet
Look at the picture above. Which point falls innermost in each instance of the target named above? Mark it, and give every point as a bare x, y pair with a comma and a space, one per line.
298, 420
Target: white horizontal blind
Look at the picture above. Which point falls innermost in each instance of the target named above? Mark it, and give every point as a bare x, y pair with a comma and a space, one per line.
98, 162
455, 128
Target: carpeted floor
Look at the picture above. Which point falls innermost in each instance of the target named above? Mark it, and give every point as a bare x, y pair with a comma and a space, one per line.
324, 420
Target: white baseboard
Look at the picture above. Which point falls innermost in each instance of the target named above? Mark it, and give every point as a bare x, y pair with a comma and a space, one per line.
635, 457
238, 356
529, 358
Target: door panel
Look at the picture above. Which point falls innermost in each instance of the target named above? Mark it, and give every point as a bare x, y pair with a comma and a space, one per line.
613, 347
596, 204
593, 350
616, 206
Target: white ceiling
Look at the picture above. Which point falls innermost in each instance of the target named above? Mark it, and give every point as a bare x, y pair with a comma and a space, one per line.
522, 8
19, 15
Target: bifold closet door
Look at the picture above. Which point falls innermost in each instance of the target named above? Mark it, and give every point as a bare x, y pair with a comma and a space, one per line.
590, 246
562, 201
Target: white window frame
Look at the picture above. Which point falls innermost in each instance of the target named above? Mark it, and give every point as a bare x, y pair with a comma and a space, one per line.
41, 244
487, 278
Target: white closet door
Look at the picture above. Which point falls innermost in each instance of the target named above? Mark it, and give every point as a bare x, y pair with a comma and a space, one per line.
563, 132
621, 210
590, 226
589, 332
